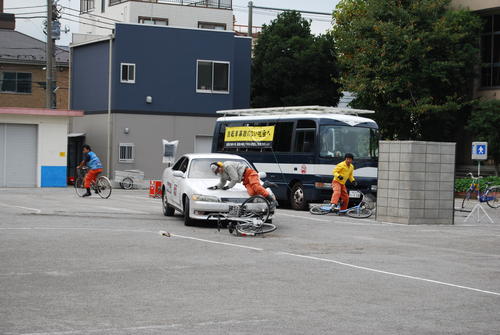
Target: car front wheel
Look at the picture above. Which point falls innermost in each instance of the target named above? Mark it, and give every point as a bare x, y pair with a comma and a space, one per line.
187, 219
167, 209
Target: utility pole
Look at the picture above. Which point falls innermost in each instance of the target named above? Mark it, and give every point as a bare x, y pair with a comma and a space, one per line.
250, 18
49, 57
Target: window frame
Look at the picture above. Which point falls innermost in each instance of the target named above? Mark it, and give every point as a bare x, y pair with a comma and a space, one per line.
126, 160
128, 81
16, 83
212, 91
86, 9
491, 64
154, 19
215, 24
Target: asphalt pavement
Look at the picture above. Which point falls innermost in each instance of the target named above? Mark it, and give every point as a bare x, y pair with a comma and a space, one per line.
72, 266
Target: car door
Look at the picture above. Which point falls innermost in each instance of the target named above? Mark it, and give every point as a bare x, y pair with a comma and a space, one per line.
171, 186
178, 181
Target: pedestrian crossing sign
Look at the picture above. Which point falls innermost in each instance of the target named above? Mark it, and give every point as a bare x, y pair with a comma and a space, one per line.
479, 150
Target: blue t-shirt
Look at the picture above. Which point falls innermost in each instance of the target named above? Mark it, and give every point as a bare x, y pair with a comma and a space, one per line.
93, 162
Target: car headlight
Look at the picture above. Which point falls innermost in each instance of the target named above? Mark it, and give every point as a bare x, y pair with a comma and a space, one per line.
374, 188
200, 197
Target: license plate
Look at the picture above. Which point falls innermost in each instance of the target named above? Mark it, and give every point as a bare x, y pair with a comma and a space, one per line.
354, 194
233, 210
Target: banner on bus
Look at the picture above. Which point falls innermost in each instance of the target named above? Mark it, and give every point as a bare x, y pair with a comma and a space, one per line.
249, 137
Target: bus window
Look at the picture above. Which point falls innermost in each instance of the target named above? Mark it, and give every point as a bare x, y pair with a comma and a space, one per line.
282, 141
336, 141
304, 136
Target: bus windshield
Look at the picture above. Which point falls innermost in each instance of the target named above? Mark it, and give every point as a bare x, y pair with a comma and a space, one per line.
336, 141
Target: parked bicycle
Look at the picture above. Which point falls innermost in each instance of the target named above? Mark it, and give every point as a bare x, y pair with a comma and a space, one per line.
101, 185
251, 218
360, 211
491, 194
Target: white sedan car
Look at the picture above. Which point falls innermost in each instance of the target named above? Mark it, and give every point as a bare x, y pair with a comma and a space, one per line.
185, 187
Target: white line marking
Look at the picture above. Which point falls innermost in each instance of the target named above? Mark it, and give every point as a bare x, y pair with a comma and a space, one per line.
124, 210
135, 231
215, 242
296, 216
36, 210
389, 273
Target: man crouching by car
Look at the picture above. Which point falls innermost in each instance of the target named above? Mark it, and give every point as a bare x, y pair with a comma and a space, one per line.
235, 172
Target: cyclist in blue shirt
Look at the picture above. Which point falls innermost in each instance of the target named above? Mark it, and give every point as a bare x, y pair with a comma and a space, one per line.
93, 162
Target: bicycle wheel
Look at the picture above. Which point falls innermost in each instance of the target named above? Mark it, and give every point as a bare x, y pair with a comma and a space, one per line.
79, 188
250, 229
493, 196
255, 207
127, 183
466, 201
359, 212
318, 210
103, 186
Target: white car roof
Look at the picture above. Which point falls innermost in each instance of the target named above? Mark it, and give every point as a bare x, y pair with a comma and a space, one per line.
213, 156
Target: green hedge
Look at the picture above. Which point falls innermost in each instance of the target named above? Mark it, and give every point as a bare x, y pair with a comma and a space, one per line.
462, 184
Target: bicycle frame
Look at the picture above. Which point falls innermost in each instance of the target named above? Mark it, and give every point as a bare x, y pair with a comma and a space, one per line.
475, 188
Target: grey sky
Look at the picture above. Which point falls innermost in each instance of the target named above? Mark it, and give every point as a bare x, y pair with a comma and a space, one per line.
33, 27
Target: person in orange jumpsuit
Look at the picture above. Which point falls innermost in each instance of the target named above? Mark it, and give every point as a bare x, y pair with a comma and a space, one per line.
342, 172
236, 172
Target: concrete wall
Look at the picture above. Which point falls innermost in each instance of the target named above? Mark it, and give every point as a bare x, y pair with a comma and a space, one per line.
129, 12
146, 133
52, 145
416, 182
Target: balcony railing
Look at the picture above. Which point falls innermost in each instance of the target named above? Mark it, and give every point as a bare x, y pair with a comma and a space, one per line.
221, 4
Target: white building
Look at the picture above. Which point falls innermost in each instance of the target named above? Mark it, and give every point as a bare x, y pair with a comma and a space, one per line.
97, 16
33, 146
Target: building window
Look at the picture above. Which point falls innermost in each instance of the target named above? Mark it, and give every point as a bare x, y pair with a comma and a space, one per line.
153, 20
126, 153
212, 25
127, 74
15, 82
86, 5
212, 77
490, 51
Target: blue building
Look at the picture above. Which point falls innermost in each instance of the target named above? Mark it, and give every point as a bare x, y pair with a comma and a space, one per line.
164, 83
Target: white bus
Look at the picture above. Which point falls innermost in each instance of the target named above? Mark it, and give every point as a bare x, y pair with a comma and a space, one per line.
298, 147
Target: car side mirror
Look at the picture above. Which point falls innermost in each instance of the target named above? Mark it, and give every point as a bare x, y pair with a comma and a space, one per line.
178, 173
262, 175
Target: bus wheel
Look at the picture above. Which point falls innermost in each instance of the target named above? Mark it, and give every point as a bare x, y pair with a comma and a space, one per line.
297, 197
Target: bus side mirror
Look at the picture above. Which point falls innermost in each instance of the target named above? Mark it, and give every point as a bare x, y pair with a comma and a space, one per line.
262, 175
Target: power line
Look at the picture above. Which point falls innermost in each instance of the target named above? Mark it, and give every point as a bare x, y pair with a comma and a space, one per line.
84, 18
25, 7
87, 24
30, 13
99, 16
30, 17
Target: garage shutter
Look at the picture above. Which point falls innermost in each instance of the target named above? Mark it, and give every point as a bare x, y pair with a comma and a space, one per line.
18, 155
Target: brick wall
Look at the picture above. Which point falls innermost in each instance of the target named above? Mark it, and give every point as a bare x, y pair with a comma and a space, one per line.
37, 97
416, 182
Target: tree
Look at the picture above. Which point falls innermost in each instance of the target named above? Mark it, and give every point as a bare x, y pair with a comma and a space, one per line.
293, 67
483, 125
412, 61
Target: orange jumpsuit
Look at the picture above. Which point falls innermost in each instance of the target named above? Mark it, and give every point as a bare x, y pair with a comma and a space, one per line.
91, 176
252, 182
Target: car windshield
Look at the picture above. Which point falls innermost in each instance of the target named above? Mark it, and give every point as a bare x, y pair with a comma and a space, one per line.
200, 167
336, 141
